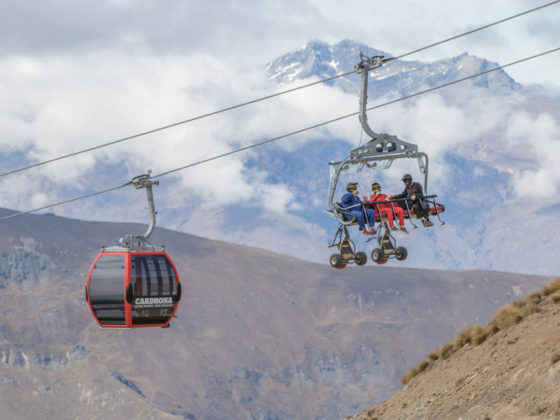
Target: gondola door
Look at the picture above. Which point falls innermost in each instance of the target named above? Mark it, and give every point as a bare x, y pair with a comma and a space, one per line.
106, 289
155, 288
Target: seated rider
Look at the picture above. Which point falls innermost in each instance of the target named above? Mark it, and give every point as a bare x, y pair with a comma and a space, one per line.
386, 209
414, 193
351, 203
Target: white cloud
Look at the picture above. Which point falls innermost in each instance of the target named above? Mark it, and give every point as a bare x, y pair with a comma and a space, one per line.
538, 138
58, 104
102, 96
303, 109
402, 26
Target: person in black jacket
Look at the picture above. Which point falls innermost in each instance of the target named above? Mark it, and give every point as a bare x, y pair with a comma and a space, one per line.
414, 195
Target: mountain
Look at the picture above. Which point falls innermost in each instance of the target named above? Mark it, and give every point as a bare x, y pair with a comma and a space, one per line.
477, 161
491, 144
513, 373
394, 79
258, 335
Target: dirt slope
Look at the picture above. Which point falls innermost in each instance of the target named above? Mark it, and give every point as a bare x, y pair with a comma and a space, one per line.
513, 374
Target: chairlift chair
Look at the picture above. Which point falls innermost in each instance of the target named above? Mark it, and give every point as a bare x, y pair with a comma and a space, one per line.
378, 153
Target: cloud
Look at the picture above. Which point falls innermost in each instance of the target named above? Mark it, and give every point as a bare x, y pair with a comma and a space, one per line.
91, 73
222, 28
302, 109
57, 105
250, 32
536, 137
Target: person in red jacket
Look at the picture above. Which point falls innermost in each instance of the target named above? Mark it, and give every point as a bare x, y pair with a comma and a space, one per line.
385, 208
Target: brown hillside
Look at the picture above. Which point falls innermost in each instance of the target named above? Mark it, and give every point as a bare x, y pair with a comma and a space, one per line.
257, 335
507, 369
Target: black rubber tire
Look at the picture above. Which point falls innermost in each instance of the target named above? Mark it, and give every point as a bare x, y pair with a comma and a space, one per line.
401, 253
360, 258
336, 260
377, 255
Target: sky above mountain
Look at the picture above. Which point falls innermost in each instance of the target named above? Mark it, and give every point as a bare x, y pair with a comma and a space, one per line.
77, 74
250, 32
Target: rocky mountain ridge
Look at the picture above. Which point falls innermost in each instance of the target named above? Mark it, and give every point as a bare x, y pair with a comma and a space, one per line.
396, 78
257, 334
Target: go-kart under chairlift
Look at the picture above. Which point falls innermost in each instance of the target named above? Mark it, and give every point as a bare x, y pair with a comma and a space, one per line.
378, 153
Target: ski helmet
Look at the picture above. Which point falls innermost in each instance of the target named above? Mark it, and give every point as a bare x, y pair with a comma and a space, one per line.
351, 186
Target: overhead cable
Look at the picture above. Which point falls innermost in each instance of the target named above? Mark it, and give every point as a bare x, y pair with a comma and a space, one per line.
230, 108
474, 30
262, 143
66, 201
165, 127
356, 113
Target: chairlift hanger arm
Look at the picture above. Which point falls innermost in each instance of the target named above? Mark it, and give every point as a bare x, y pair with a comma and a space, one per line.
144, 181
365, 65
380, 142
382, 146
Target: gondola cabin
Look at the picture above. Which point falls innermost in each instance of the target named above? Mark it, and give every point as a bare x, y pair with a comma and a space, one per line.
130, 289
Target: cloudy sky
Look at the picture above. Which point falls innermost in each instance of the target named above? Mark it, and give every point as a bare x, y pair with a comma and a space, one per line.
249, 32
75, 74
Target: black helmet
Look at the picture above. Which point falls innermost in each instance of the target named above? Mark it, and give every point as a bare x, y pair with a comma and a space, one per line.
407, 177
375, 185
351, 186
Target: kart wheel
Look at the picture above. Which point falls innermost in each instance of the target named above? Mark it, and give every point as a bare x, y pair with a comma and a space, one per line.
336, 260
360, 258
377, 255
400, 253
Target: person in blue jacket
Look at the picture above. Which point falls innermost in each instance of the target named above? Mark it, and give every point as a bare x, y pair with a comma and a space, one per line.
354, 205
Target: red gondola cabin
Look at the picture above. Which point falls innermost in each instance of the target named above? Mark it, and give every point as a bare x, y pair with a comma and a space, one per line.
129, 289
